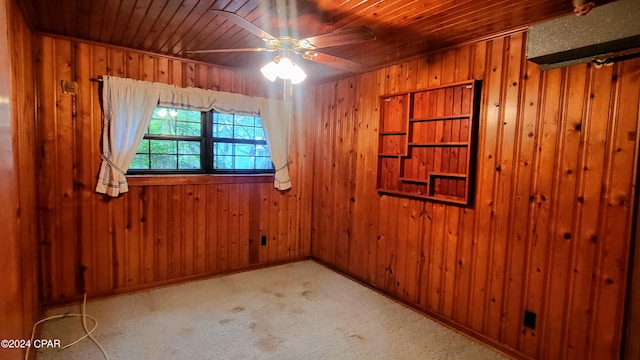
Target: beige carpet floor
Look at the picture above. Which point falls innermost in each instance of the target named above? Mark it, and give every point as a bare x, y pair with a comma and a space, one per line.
295, 311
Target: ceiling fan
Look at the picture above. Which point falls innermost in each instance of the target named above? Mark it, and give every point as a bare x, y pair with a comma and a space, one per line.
282, 65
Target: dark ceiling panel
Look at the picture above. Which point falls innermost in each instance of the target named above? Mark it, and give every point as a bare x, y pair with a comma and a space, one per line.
404, 28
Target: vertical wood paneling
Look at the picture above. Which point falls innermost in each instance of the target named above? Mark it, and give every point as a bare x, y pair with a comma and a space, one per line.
154, 233
19, 307
549, 229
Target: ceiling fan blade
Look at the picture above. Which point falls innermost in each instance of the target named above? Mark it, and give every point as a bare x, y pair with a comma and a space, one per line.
225, 50
335, 62
245, 24
341, 37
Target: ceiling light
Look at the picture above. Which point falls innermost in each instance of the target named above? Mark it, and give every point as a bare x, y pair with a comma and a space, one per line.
282, 67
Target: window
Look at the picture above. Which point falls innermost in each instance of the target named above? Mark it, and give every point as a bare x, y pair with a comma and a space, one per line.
187, 141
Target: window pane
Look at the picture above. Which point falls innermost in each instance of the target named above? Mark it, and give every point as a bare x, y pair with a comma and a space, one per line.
140, 161
244, 162
244, 132
143, 147
189, 147
262, 150
222, 162
163, 162
189, 161
223, 118
158, 127
263, 163
245, 120
187, 128
245, 149
223, 149
163, 146
260, 134
223, 130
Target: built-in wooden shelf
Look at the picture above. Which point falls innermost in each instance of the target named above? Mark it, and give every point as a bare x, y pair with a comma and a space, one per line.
449, 175
440, 118
443, 199
394, 133
414, 180
439, 144
426, 143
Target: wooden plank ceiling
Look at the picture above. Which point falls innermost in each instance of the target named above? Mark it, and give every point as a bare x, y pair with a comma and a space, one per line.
404, 28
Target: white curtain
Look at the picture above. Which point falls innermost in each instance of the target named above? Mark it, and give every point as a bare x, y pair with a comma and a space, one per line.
277, 129
130, 128
128, 106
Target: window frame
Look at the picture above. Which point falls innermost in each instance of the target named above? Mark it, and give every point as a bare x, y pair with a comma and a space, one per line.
207, 141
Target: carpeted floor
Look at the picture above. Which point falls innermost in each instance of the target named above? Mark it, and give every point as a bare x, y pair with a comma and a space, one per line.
295, 311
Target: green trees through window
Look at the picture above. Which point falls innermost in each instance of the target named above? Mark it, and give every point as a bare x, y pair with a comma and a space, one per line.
187, 141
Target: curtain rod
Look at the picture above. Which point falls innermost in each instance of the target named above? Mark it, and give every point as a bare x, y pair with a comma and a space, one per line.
98, 79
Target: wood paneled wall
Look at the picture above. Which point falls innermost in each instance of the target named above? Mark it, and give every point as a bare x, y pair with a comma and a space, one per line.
163, 230
19, 306
549, 231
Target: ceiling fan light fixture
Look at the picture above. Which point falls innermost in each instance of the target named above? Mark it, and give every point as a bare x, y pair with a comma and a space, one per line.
282, 67
297, 74
285, 67
270, 71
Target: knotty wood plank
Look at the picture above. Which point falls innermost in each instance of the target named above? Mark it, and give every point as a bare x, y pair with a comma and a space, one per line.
134, 238
234, 226
463, 71
274, 225
244, 219
540, 221
119, 242
148, 217
265, 229
243, 225
564, 228
486, 172
103, 251
224, 220
162, 235
452, 215
174, 238
503, 180
64, 122
87, 139
623, 154
50, 273
254, 223
436, 261
187, 235
201, 221
213, 223
399, 270
413, 258
614, 235
522, 204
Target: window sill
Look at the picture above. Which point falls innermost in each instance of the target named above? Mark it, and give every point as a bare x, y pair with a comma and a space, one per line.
199, 179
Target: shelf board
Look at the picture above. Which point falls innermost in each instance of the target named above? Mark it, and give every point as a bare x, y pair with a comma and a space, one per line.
390, 155
448, 175
441, 198
393, 133
414, 180
437, 118
442, 144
